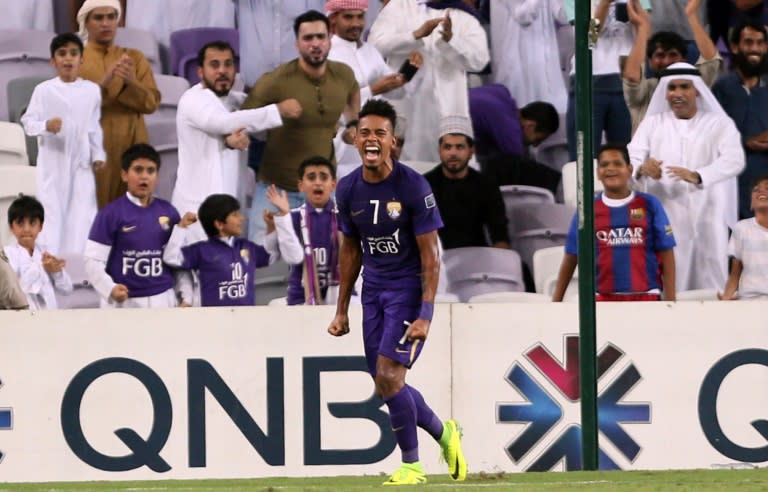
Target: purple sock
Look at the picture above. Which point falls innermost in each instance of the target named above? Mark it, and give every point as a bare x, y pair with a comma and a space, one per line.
425, 417
402, 415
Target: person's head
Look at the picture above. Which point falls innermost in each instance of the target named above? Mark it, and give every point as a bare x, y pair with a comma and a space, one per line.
347, 18
613, 168
455, 145
317, 180
66, 55
140, 165
313, 41
760, 194
220, 216
216, 67
748, 45
664, 49
375, 133
681, 96
25, 218
98, 20
397, 147
539, 120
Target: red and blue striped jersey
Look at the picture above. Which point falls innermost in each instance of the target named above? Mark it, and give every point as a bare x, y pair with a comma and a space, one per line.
628, 240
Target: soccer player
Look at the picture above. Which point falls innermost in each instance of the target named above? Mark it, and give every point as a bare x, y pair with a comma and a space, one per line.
634, 257
226, 263
389, 220
124, 253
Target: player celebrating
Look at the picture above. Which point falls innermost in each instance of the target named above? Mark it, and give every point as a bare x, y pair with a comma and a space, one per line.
389, 220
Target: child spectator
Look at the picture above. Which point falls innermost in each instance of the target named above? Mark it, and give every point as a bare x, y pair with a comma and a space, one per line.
124, 253
225, 263
64, 115
39, 272
747, 247
634, 257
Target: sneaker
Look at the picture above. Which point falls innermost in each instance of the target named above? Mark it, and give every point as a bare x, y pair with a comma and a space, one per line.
452, 454
408, 474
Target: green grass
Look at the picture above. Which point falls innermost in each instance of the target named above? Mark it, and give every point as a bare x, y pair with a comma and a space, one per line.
643, 481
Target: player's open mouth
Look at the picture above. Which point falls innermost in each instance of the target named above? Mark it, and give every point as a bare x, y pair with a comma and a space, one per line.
762, 197
372, 152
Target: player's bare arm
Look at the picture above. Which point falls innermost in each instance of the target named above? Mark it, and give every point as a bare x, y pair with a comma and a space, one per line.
564, 276
668, 274
732, 285
350, 261
429, 253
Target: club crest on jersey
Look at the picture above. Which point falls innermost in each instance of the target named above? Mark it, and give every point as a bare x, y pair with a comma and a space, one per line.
394, 209
165, 222
245, 255
668, 230
636, 213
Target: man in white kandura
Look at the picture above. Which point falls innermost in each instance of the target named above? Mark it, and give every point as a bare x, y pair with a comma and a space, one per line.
687, 152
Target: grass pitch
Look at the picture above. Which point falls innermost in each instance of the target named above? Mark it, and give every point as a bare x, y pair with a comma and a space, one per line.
642, 481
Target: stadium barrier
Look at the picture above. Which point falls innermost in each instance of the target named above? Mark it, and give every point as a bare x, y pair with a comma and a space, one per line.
265, 391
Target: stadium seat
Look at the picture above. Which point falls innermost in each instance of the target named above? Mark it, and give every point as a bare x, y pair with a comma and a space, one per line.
571, 292
480, 270
143, 41
185, 43
14, 180
169, 166
421, 167
171, 88
23, 53
278, 301
19, 94
570, 189
540, 216
83, 294
527, 242
501, 297
553, 151
697, 295
13, 145
271, 282
546, 264
162, 131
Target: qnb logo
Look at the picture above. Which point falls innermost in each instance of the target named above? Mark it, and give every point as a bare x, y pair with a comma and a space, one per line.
543, 442
6, 421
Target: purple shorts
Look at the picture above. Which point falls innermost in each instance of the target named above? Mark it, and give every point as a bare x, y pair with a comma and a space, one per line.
384, 314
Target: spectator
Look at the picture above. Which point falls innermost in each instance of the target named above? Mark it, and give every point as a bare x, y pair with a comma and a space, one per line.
672, 16
687, 153
212, 133
743, 93
40, 273
452, 43
662, 49
634, 256
11, 295
325, 89
469, 202
63, 114
124, 254
747, 248
128, 90
525, 54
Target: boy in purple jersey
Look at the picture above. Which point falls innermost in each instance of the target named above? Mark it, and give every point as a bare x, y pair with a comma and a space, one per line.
225, 262
314, 276
634, 256
124, 252
389, 220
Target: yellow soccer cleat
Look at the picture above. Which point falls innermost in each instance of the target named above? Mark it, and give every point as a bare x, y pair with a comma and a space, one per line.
408, 474
452, 454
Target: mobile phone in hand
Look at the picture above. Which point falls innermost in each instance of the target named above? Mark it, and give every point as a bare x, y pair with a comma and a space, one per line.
408, 70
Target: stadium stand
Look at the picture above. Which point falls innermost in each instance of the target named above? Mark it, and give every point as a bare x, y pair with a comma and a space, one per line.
23, 53
494, 297
143, 41
14, 180
185, 44
19, 94
481, 270
570, 190
13, 145
166, 179
171, 88
83, 294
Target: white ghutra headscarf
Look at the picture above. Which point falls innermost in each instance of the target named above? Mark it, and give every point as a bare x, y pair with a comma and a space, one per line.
705, 100
86, 9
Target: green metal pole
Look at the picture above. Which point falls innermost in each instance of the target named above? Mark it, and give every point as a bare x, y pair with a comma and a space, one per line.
588, 345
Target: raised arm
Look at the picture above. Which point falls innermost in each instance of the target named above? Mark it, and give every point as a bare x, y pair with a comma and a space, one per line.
633, 67
703, 40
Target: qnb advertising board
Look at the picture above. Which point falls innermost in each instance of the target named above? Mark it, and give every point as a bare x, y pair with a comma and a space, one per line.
220, 393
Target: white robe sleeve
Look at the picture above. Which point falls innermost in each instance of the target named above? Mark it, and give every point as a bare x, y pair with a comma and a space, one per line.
211, 117
730, 160
61, 282
271, 246
288, 242
468, 47
526, 11
172, 254
96, 256
392, 34
95, 133
34, 120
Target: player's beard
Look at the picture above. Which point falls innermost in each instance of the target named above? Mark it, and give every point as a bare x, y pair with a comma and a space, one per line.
454, 168
748, 68
313, 61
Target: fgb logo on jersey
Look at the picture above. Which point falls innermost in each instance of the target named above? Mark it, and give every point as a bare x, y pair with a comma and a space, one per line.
542, 442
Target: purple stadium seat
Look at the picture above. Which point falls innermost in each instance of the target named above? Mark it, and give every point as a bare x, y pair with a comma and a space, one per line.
185, 44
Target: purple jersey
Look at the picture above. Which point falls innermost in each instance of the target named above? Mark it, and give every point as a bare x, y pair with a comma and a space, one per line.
320, 236
226, 272
137, 236
386, 217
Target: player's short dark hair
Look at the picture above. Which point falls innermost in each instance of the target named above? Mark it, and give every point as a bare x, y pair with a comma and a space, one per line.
543, 114
316, 160
64, 39
620, 148
379, 107
759, 179
747, 23
214, 45
470, 140
216, 207
310, 16
139, 151
666, 40
25, 207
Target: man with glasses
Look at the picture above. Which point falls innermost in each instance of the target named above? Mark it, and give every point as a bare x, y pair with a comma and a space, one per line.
325, 90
